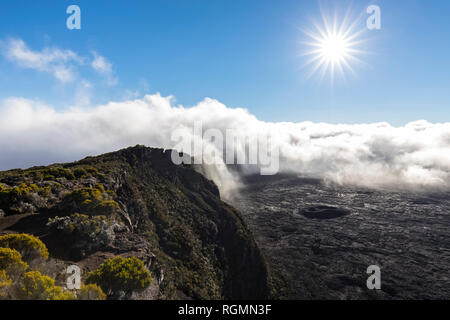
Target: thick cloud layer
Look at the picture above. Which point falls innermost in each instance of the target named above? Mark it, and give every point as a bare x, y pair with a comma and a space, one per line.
416, 155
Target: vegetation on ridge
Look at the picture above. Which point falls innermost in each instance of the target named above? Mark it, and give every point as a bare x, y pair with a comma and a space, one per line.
136, 202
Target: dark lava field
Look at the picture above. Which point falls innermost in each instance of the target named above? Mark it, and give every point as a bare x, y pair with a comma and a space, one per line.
319, 238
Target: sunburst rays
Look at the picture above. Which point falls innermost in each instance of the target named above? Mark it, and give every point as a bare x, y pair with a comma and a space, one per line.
333, 47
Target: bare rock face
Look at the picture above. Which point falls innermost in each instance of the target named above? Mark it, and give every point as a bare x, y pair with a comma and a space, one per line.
136, 202
319, 239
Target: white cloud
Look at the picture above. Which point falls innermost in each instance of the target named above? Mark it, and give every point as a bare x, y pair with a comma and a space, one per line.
83, 93
377, 155
51, 60
61, 64
101, 65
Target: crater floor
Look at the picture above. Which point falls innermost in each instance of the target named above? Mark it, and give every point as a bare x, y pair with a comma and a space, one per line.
406, 234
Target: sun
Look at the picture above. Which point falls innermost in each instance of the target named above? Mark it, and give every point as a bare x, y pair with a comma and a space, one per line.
333, 47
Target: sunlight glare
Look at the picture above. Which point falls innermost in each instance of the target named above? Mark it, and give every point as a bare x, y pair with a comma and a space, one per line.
333, 48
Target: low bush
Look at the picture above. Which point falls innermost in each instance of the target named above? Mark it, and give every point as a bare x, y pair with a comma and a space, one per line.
29, 246
80, 173
58, 172
23, 198
121, 274
107, 208
91, 292
92, 201
85, 171
11, 262
87, 232
5, 285
36, 286
13, 195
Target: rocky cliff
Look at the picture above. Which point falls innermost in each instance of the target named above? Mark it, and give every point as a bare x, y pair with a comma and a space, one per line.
136, 202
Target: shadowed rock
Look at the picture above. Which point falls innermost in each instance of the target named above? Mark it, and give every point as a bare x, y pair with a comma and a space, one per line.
325, 212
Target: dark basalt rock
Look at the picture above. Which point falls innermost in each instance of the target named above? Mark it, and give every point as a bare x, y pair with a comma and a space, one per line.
325, 212
405, 233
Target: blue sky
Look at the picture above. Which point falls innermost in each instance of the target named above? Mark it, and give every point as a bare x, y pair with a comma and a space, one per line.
244, 53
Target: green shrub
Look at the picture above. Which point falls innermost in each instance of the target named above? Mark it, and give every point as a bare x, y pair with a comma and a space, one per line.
49, 177
121, 274
91, 169
46, 173
92, 201
45, 192
100, 187
80, 173
36, 175
80, 196
85, 171
36, 286
91, 292
59, 172
107, 208
89, 233
30, 247
5, 285
10, 196
58, 293
22, 198
79, 222
11, 262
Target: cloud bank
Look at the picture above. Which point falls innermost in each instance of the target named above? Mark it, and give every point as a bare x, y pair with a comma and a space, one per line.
375, 155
